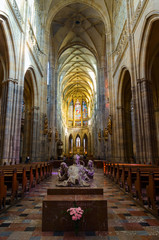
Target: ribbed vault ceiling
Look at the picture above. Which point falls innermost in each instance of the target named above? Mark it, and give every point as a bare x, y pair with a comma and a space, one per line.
78, 42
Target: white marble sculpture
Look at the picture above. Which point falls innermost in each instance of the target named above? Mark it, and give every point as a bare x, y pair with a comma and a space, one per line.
76, 174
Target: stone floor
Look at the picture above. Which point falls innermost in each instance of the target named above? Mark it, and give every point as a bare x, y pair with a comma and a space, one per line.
126, 220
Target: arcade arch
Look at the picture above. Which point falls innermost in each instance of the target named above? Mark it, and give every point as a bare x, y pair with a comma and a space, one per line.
126, 117
30, 94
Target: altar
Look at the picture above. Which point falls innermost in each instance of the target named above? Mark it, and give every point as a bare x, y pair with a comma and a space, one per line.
74, 189
56, 218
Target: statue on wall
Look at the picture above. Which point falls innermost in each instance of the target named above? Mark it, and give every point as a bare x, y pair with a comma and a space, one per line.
45, 125
106, 132
59, 147
110, 125
50, 135
75, 175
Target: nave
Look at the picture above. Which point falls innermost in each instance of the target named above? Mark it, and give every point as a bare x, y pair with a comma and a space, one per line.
126, 220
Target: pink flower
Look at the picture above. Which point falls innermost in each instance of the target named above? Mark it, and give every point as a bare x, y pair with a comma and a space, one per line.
74, 218
75, 213
72, 212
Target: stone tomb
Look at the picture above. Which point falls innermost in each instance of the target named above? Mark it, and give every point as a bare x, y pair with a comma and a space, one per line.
56, 218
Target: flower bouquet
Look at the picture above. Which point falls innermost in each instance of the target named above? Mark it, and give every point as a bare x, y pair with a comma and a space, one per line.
76, 214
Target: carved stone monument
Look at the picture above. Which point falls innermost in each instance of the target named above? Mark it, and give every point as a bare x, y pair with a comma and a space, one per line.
75, 181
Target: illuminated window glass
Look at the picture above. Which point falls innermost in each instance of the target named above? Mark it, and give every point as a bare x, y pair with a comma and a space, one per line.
77, 110
85, 110
70, 110
78, 142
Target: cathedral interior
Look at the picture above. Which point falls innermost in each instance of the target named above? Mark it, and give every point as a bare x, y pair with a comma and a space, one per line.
80, 77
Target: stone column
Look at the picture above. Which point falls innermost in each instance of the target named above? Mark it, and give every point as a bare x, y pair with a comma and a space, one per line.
73, 112
16, 128
67, 108
35, 134
27, 135
120, 153
81, 102
8, 121
101, 112
148, 120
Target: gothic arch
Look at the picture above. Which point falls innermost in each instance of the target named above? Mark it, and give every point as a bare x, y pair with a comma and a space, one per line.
144, 41
123, 71
78, 135
33, 83
85, 145
125, 118
150, 60
9, 48
7, 81
29, 114
70, 139
2, 77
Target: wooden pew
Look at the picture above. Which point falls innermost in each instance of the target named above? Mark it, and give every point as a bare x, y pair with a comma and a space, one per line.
132, 175
40, 170
10, 180
118, 174
142, 180
44, 170
152, 190
30, 176
3, 191
140, 183
22, 179
21, 176
50, 165
36, 173
105, 168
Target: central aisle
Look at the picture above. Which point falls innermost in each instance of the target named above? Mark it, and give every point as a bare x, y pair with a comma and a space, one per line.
126, 220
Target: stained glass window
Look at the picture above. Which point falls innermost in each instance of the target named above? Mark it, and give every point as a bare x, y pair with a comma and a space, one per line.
78, 124
70, 110
85, 123
85, 110
77, 110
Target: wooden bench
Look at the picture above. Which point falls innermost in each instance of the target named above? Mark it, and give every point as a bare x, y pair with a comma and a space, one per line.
152, 190
22, 179
36, 173
141, 181
3, 191
10, 180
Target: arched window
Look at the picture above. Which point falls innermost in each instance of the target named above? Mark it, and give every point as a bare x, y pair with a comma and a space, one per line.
85, 144
78, 142
70, 144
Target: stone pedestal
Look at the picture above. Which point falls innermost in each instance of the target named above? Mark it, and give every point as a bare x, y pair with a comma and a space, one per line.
56, 218
75, 191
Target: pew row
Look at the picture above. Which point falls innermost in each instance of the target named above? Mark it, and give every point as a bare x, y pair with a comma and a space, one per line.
15, 180
140, 181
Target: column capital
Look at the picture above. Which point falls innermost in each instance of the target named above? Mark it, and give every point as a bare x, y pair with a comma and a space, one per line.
143, 80
10, 80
